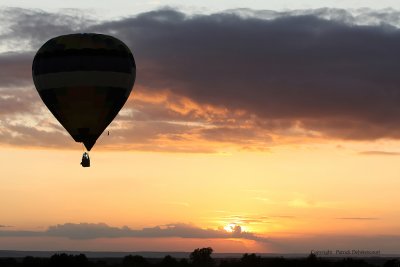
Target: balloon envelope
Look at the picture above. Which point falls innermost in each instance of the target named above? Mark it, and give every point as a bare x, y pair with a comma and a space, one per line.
84, 80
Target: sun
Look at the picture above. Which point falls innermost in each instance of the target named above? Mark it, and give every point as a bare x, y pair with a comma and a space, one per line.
232, 227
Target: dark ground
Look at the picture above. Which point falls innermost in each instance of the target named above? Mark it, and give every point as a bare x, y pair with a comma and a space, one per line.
198, 258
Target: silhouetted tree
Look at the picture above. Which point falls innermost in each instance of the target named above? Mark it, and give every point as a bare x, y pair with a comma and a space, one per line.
61, 260
202, 257
64, 260
392, 263
312, 257
81, 260
250, 260
350, 262
100, 263
199, 258
134, 261
229, 263
169, 261
311, 260
8, 262
184, 263
30, 261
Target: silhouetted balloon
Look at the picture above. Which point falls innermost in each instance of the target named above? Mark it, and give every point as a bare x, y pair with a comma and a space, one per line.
84, 80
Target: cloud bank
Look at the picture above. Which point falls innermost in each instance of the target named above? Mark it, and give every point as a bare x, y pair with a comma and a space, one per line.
247, 78
101, 230
83, 233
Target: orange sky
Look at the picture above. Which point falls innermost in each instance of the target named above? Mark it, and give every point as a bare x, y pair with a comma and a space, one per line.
303, 158
288, 192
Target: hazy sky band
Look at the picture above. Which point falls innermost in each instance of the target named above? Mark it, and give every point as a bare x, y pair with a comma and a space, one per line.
124, 8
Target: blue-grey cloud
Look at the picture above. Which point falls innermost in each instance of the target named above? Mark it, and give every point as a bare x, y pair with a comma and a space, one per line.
329, 76
15, 69
26, 29
101, 230
326, 71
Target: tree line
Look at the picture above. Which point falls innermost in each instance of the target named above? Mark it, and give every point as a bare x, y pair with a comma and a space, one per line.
200, 257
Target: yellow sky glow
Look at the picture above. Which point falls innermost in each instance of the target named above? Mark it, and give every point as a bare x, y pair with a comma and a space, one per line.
287, 192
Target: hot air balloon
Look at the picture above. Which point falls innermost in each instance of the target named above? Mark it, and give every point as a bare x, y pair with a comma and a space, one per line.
84, 80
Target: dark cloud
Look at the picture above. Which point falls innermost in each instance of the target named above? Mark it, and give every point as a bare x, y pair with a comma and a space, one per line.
101, 230
16, 69
335, 78
239, 76
24, 31
28, 29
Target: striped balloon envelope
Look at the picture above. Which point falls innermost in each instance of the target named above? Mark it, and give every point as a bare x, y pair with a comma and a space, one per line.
84, 80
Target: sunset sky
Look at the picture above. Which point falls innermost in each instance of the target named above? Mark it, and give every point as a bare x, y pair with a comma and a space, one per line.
280, 117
